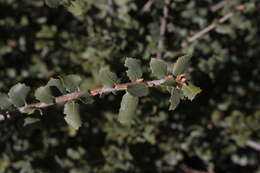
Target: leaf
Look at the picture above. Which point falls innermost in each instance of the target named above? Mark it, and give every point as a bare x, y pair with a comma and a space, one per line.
4, 101
71, 110
138, 90
134, 71
108, 78
190, 91
76, 7
176, 95
71, 82
181, 65
158, 67
29, 120
86, 97
52, 3
43, 94
127, 110
18, 93
56, 83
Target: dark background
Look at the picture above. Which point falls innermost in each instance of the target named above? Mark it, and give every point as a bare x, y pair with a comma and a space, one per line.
210, 134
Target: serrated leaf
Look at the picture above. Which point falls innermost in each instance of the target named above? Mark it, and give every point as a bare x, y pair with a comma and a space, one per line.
71, 82
181, 65
29, 120
56, 83
138, 90
134, 71
190, 91
71, 110
127, 109
44, 94
158, 67
52, 3
18, 93
107, 78
176, 95
4, 101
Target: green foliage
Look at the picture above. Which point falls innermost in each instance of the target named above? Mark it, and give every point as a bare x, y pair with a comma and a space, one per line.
138, 90
190, 91
109, 79
56, 83
134, 71
176, 95
52, 3
181, 65
158, 67
4, 101
127, 110
71, 110
71, 82
18, 94
44, 94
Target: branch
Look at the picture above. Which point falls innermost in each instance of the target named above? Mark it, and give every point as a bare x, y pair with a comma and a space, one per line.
77, 94
163, 27
218, 6
213, 26
146, 7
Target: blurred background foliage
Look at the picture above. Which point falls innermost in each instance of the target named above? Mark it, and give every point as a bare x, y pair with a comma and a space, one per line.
211, 134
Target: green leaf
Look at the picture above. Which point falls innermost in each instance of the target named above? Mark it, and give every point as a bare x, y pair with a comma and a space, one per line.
158, 67
108, 78
86, 97
71, 82
4, 101
181, 65
18, 93
176, 95
43, 94
127, 110
134, 71
77, 7
71, 110
52, 3
29, 120
138, 90
190, 91
56, 83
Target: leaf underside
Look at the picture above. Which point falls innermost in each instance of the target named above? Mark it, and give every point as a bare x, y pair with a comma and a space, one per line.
138, 90
181, 65
71, 110
158, 67
71, 82
128, 108
44, 94
108, 79
190, 91
18, 93
176, 95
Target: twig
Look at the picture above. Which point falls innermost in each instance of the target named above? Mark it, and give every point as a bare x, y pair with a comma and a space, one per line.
210, 27
218, 6
163, 28
214, 25
77, 94
146, 7
254, 145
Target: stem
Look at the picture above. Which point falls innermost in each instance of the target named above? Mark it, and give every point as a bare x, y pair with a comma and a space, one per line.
77, 94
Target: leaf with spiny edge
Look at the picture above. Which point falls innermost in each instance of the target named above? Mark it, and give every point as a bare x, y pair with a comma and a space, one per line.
138, 90
134, 71
56, 83
18, 94
71, 110
71, 82
127, 109
44, 94
190, 91
176, 95
158, 67
181, 65
108, 79
4, 101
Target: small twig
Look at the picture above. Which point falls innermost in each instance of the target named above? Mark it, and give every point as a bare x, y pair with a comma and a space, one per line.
77, 94
163, 28
254, 145
218, 6
210, 27
146, 7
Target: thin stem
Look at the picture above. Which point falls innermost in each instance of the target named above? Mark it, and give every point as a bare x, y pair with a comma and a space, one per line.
77, 94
